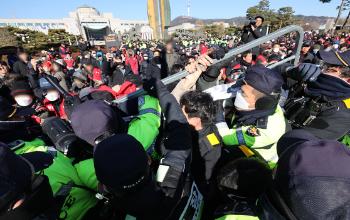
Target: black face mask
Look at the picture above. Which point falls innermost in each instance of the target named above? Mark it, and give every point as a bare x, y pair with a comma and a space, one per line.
38, 201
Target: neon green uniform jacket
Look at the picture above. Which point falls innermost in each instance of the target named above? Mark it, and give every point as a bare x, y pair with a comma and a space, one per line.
263, 140
78, 182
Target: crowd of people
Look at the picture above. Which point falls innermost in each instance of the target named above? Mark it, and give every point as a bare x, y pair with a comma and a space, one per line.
234, 139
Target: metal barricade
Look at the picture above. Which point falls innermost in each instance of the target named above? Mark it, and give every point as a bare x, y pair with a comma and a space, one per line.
236, 51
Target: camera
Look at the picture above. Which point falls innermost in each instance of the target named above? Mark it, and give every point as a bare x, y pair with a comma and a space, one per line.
252, 22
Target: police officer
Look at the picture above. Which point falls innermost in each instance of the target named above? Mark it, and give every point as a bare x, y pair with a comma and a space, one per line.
137, 190
310, 178
71, 180
258, 121
306, 55
95, 120
24, 195
200, 109
319, 102
72, 183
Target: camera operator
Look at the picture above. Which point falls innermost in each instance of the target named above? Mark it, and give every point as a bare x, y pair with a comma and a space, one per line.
253, 31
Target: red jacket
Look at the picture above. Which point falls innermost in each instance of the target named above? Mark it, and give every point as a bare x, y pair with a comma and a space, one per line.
63, 52
58, 112
133, 63
126, 88
69, 63
203, 49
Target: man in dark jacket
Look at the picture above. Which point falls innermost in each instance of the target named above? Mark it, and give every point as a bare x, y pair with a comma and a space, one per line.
144, 64
83, 46
320, 101
306, 55
253, 31
119, 71
138, 191
21, 66
199, 109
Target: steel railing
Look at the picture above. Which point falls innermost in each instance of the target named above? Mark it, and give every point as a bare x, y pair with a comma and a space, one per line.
236, 51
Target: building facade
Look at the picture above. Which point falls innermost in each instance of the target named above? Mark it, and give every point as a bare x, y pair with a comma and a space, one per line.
85, 21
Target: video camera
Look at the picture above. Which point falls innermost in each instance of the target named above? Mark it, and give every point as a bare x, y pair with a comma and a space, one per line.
252, 22
248, 25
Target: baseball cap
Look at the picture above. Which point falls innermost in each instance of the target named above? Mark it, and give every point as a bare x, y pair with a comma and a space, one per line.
20, 87
263, 79
130, 169
93, 119
311, 175
44, 84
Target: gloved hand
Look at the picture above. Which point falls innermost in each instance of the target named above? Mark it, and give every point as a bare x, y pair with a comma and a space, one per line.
149, 85
213, 71
308, 72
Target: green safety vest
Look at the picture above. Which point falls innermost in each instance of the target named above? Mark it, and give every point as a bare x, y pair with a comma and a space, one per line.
79, 178
145, 127
65, 181
263, 140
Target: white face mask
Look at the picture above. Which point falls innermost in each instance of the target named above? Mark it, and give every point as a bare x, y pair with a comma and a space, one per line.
241, 103
276, 50
24, 100
52, 95
159, 66
335, 46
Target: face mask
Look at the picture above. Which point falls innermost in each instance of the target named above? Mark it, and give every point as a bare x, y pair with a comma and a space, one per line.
24, 100
315, 51
145, 58
159, 66
52, 95
276, 50
336, 46
241, 103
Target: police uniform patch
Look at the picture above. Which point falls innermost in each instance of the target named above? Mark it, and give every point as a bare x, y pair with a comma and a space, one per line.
253, 131
347, 103
213, 140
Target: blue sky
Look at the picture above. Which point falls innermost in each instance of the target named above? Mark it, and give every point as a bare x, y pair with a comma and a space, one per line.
136, 9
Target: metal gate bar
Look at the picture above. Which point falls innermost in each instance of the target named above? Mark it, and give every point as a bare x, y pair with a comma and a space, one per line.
236, 51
